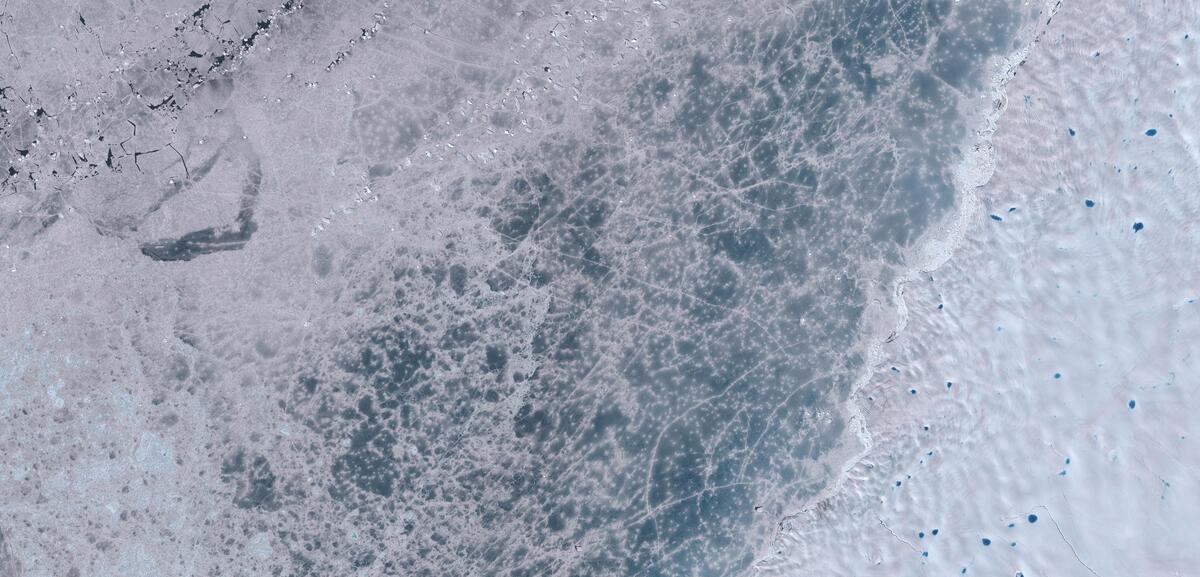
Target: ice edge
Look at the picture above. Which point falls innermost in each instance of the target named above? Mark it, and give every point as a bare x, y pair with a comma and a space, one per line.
932, 252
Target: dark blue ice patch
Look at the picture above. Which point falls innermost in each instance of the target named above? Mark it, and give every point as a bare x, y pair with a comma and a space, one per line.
496, 359
1132, 404
1138, 226
253, 479
996, 217
1058, 375
1071, 131
1032, 518
745, 246
1089, 203
201, 242
986, 542
364, 559
934, 532
1152, 132
522, 209
368, 464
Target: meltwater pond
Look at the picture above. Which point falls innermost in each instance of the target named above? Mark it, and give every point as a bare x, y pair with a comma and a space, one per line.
389, 288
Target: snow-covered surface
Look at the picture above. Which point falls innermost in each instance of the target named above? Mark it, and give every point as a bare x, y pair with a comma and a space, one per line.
1037, 414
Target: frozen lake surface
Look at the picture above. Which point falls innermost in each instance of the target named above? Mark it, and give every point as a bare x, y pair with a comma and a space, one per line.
866, 287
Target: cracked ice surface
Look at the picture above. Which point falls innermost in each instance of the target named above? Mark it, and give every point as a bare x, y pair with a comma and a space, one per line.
523, 288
